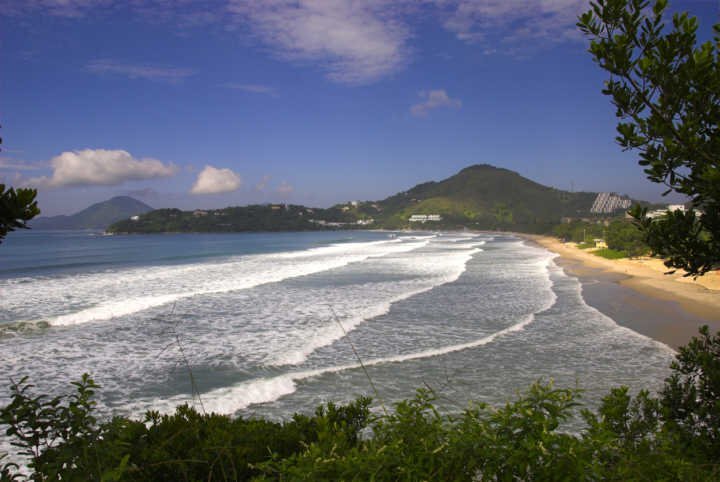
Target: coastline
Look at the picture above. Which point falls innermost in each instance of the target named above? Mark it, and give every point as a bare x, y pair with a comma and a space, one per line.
637, 293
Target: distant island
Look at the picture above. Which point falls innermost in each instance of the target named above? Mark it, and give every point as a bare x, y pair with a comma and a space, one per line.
480, 197
98, 216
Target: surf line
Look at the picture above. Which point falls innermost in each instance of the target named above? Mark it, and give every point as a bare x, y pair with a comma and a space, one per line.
263, 390
115, 309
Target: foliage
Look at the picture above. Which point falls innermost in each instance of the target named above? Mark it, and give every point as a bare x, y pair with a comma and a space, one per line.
578, 231
609, 253
672, 436
17, 207
664, 87
626, 237
56, 434
682, 239
622, 237
691, 397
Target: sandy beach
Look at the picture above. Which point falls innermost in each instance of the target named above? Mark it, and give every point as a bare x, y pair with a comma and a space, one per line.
638, 294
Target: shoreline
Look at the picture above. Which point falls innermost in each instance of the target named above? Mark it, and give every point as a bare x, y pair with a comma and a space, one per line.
637, 293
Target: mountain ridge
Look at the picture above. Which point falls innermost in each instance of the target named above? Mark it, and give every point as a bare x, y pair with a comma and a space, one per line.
96, 216
480, 196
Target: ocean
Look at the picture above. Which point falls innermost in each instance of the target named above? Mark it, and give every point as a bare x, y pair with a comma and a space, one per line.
274, 323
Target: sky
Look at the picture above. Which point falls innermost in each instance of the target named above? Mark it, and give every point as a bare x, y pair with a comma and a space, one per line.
211, 103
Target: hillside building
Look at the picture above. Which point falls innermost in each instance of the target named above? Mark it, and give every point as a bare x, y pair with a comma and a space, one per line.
609, 202
662, 212
423, 218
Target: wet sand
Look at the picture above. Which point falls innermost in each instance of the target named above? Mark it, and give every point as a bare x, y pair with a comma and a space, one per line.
637, 294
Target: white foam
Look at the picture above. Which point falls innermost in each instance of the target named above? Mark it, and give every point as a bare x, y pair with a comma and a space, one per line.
245, 273
264, 390
332, 332
108, 311
231, 399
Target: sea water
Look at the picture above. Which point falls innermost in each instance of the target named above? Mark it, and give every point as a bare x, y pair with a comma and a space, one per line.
272, 324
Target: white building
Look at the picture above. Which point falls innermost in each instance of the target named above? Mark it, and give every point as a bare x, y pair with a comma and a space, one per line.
609, 202
662, 212
423, 218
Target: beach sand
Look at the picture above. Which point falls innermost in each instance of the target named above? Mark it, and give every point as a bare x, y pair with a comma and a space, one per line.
637, 293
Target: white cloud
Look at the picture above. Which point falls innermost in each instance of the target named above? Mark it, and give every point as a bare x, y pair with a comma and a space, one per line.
434, 99
212, 180
139, 71
496, 22
353, 41
101, 167
285, 188
252, 88
356, 42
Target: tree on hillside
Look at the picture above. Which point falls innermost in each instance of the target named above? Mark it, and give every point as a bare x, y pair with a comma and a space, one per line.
666, 90
17, 207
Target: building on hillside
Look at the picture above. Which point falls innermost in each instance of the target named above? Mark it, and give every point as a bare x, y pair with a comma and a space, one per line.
609, 202
423, 218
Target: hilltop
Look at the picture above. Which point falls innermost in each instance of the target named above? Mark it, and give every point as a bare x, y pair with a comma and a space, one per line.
485, 197
98, 216
478, 197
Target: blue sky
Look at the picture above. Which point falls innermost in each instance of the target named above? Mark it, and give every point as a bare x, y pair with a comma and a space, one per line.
225, 102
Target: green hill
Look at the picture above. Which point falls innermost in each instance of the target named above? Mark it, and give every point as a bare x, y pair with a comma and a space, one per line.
482, 197
232, 219
97, 216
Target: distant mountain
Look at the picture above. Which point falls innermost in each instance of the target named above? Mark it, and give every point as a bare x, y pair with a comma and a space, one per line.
482, 197
478, 197
97, 216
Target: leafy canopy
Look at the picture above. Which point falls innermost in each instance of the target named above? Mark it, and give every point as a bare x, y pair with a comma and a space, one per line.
17, 207
666, 90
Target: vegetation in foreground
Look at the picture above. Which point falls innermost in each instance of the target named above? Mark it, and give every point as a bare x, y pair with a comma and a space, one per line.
672, 436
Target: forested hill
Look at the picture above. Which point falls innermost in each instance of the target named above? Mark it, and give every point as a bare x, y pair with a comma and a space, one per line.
98, 216
478, 197
267, 217
487, 197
